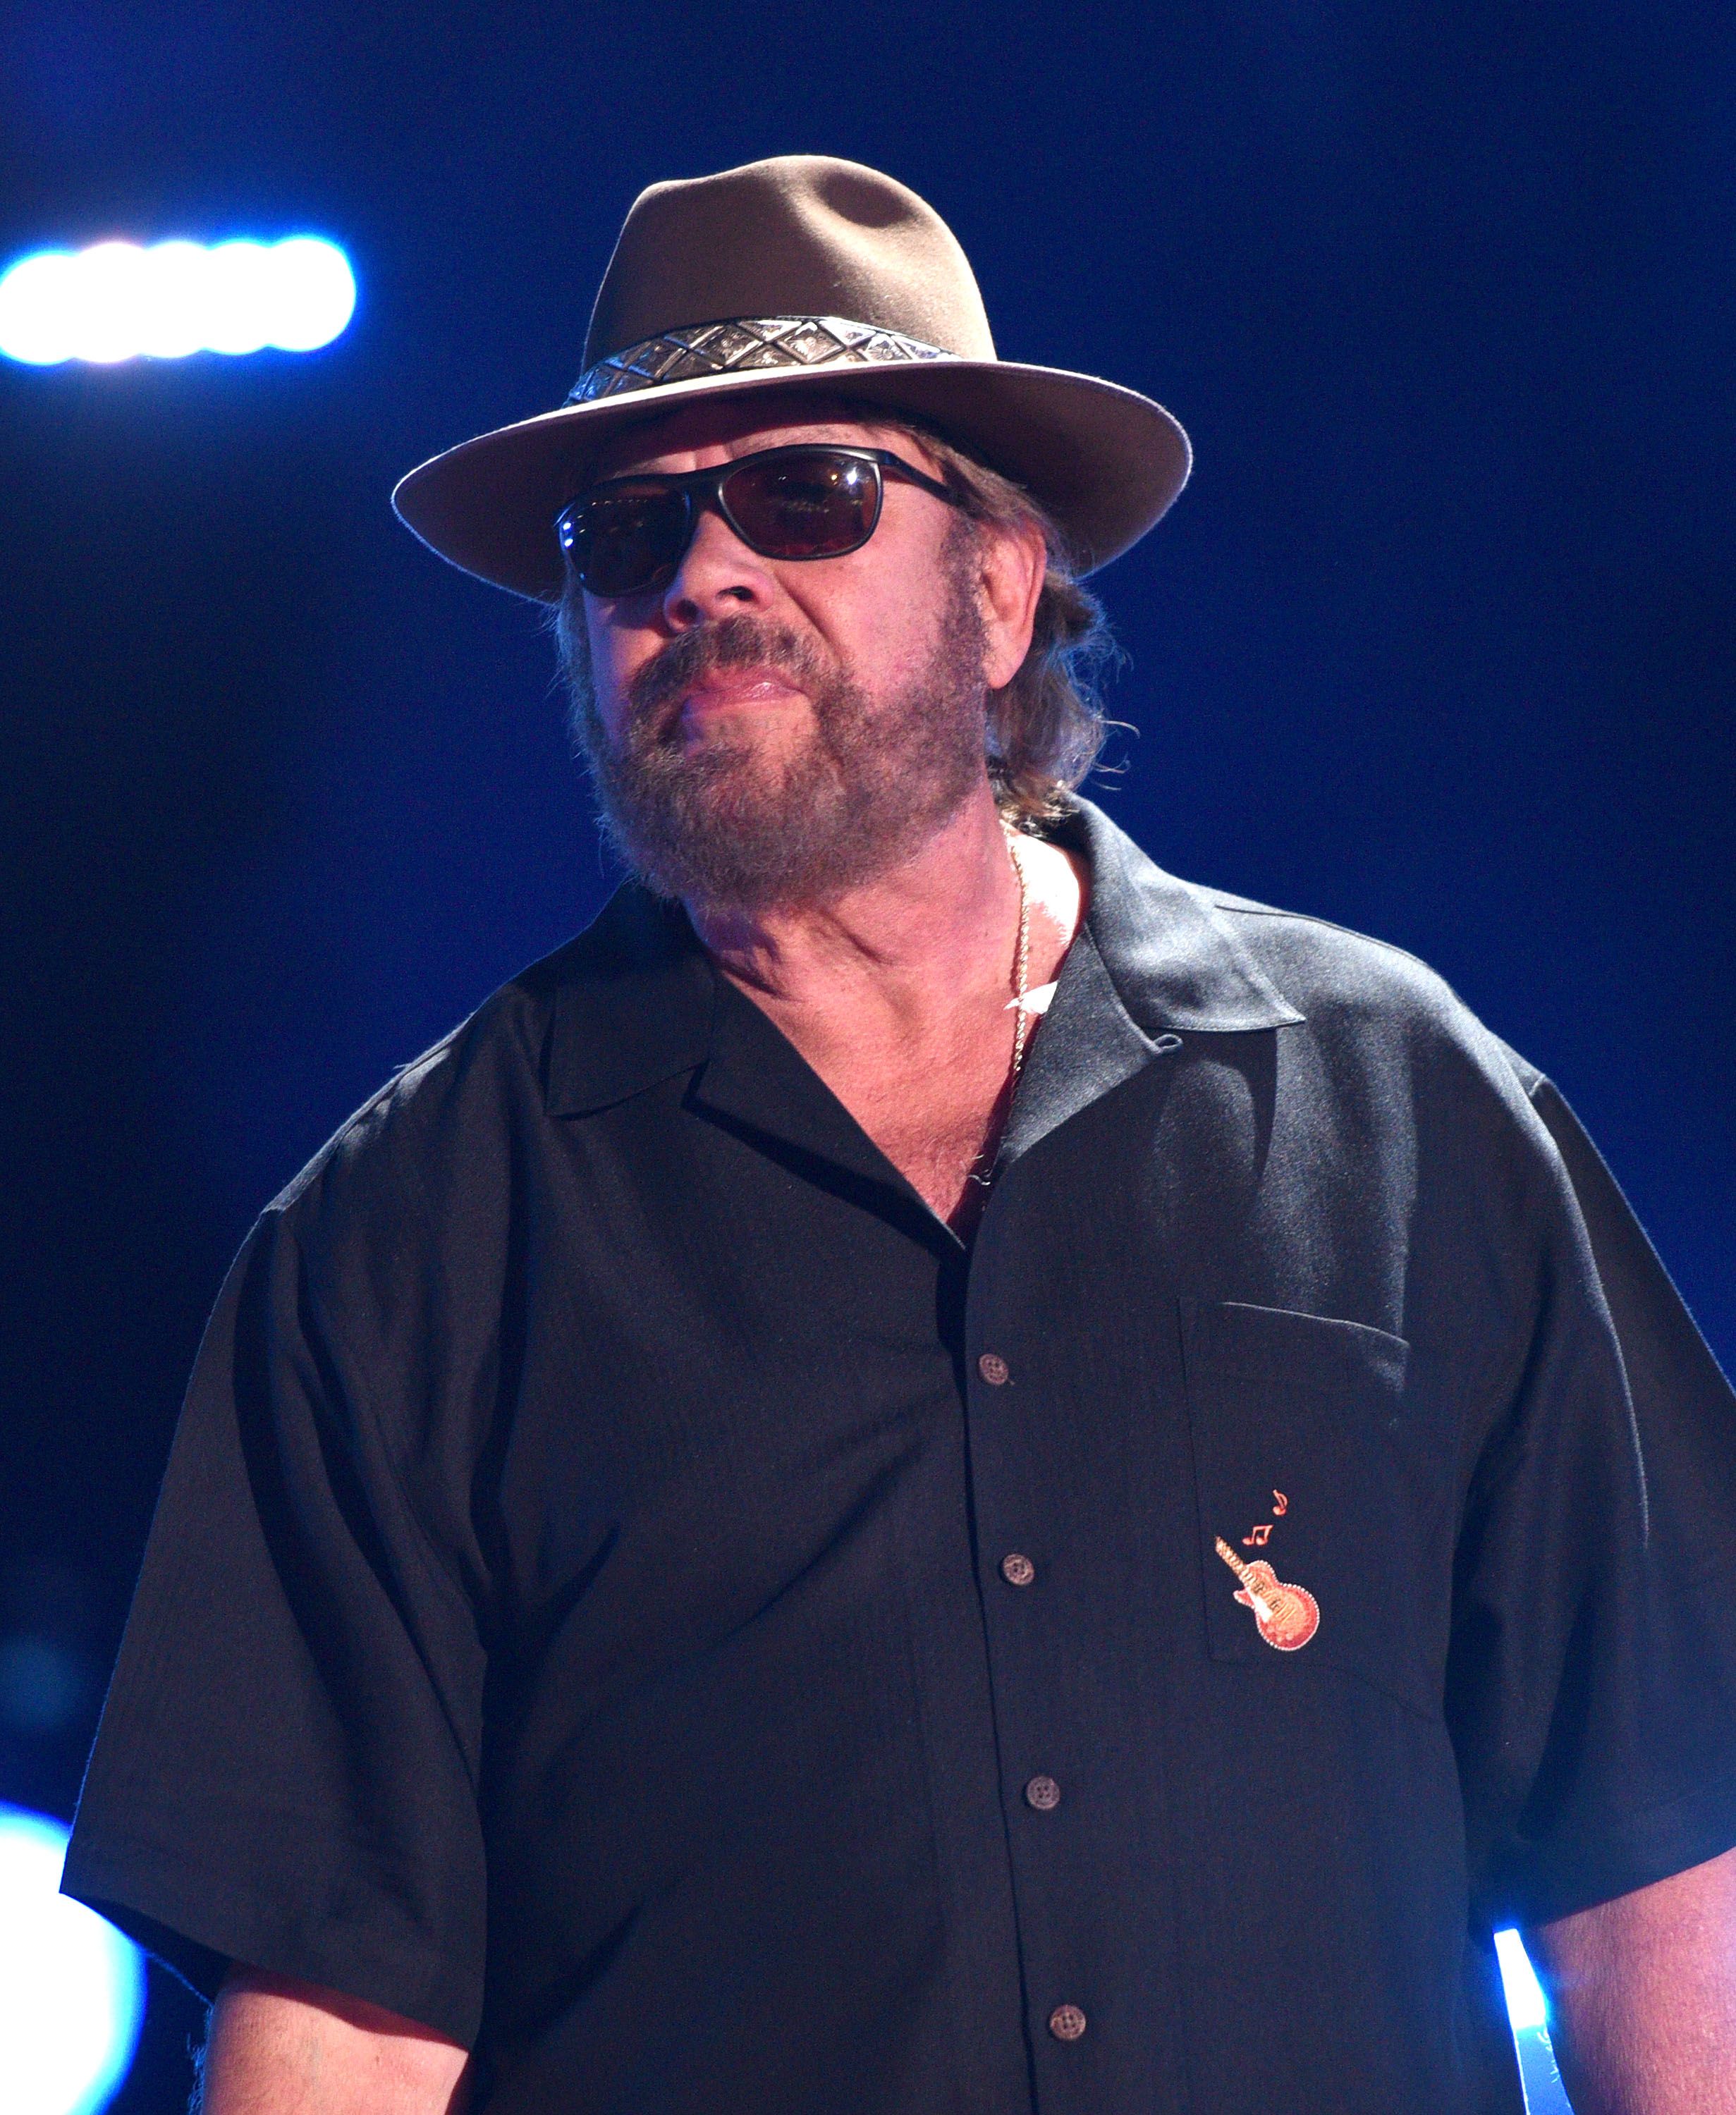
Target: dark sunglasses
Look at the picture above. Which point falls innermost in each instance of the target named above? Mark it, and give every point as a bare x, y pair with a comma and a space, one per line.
629, 534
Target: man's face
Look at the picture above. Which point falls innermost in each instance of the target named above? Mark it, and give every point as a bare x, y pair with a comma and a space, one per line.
769, 732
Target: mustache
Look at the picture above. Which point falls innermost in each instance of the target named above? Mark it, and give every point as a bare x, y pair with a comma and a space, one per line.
743, 641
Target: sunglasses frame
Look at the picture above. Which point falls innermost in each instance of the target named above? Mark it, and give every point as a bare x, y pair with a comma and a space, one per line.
699, 488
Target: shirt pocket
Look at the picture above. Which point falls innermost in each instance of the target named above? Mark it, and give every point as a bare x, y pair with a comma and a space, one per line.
1297, 1428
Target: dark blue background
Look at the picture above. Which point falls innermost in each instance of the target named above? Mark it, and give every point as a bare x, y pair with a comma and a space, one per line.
1438, 644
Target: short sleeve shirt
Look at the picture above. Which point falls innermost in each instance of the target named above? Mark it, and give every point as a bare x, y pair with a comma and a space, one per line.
633, 1591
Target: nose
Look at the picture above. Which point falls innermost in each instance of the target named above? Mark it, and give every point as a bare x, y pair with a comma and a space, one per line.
718, 576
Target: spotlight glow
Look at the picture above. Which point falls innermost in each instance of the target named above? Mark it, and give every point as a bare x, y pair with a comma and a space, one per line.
117, 301
71, 1987
1525, 2003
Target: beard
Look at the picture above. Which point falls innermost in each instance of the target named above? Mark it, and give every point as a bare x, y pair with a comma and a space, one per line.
727, 827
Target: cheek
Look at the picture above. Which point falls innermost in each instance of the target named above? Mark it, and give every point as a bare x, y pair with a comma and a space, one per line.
883, 631
617, 654
902, 599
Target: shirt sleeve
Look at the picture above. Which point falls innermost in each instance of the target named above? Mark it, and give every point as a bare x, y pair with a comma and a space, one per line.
286, 1772
1592, 1682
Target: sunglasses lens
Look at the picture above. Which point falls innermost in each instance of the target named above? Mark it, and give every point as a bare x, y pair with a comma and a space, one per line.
804, 504
622, 540
629, 535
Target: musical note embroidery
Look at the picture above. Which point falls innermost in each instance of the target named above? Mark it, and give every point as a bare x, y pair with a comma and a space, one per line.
1286, 1615
1257, 1537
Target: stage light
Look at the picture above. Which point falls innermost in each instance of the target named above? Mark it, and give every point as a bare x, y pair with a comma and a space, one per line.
313, 293
71, 1987
1528, 2012
119, 301
1525, 2005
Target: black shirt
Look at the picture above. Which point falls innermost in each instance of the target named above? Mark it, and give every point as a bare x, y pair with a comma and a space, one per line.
634, 1592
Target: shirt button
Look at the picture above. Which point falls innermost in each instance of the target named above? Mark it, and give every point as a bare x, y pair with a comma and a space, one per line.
1018, 1569
1043, 1793
1067, 2023
994, 1369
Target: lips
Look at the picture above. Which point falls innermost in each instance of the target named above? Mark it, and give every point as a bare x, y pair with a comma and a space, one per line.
737, 664
725, 693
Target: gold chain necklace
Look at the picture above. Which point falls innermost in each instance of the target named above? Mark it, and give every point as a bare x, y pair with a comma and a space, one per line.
1021, 1018
1022, 967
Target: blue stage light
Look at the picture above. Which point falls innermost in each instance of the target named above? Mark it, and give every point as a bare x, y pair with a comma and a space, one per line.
1528, 2013
71, 1987
1525, 2005
119, 301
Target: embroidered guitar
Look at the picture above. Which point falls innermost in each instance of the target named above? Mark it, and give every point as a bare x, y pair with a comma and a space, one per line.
1287, 1616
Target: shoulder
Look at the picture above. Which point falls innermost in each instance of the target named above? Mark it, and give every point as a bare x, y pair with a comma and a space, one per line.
1213, 959
1366, 1000
1325, 967
449, 1116
453, 1136
1335, 976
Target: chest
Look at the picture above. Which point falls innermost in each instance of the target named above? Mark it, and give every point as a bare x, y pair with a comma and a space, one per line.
938, 1141
935, 1112
806, 1507
736, 1339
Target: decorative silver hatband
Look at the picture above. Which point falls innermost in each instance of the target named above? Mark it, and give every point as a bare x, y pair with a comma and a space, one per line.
742, 344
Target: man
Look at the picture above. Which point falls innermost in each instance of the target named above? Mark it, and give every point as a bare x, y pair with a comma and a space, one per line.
931, 1471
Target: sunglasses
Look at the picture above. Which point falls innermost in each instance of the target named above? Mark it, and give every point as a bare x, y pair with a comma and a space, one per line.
629, 535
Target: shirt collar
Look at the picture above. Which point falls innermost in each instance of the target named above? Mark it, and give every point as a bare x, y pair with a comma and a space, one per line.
637, 998
1152, 960
1175, 961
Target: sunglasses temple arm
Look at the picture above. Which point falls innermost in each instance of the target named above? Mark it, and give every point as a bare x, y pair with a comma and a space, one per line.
896, 466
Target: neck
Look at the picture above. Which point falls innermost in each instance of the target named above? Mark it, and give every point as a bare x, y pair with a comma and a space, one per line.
897, 993
935, 926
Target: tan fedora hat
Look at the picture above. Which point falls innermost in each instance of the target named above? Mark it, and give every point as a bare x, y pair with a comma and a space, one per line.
798, 273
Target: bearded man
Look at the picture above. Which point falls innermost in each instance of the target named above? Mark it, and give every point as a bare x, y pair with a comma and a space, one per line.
932, 1470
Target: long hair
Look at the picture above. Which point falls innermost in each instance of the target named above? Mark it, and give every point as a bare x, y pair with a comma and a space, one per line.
1046, 728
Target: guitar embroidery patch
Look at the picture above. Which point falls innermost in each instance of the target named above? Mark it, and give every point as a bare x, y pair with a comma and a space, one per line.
1286, 1615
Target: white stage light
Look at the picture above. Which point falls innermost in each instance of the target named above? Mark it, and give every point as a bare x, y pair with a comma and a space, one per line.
106, 288
238, 295
36, 310
172, 320
313, 293
71, 1987
118, 301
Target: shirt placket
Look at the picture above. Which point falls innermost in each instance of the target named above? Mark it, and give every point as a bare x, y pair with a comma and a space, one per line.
1079, 1848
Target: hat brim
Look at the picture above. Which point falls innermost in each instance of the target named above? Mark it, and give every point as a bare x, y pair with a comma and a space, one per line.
1105, 461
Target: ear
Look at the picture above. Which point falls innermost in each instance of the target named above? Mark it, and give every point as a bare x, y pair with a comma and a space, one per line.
1013, 564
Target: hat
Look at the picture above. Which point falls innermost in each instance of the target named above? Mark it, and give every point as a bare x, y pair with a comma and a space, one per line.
798, 274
